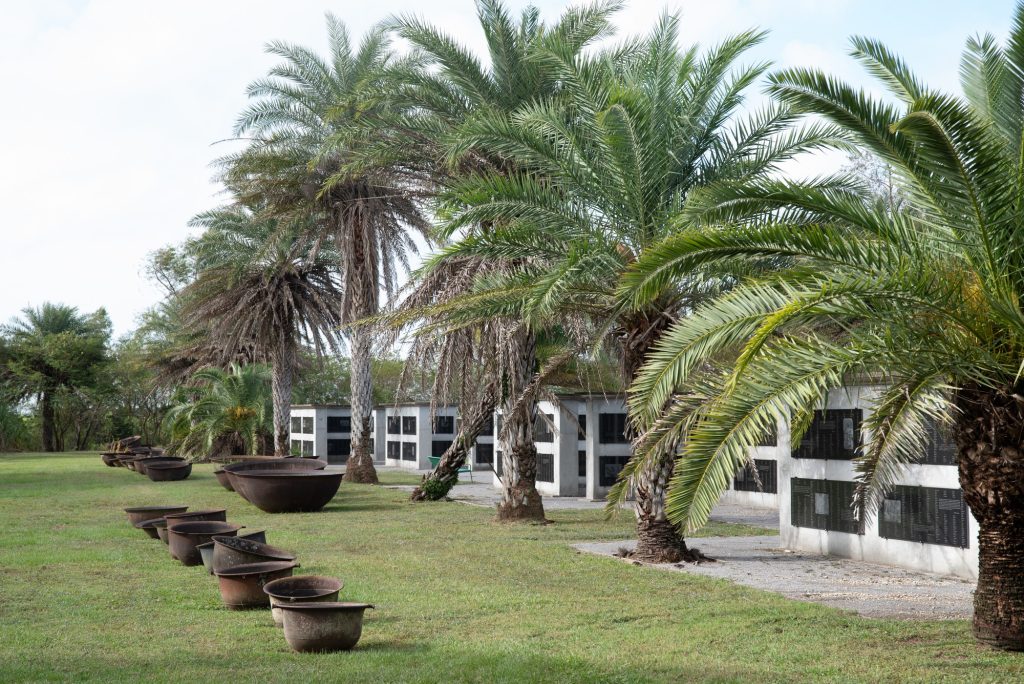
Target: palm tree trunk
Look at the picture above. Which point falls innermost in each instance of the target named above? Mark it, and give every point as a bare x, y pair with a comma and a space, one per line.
658, 540
990, 445
282, 363
438, 483
360, 461
520, 500
48, 417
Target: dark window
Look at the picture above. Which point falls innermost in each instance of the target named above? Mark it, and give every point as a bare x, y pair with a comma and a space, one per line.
581, 432
834, 435
339, 424
823, 505
296, 447
545, 467
609, 468
583, 464
766, 471
296, 425
925, 514
338, 450
485, 453
444, 425
542, 428
394, 450
488, 428
307, 448
500, 422
408, 425
611, 428
307, 426
370, 446
439, 446
408, 451
940, 449
769, 440
394, 425
498, 461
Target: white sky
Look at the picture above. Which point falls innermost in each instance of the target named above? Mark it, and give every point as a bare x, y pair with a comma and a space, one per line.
114, 108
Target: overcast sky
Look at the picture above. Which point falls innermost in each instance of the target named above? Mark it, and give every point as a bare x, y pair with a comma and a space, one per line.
114, 108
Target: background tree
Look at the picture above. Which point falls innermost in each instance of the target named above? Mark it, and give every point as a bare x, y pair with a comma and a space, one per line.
924, 296
53, 349
263, 288
295, 165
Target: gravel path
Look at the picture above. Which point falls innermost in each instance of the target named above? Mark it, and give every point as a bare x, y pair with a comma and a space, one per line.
868, 589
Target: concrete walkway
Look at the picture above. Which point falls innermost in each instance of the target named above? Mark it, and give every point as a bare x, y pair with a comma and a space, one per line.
868, 589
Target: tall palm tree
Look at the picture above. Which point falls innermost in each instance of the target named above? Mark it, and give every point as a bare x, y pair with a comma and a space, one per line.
263, 290
606, 185
295, 164
437, 96
222, 412
926, 296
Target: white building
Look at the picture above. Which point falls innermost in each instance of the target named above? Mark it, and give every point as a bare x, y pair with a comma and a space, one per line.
321, 430
923, 523
744, 488
572, 459
411, 436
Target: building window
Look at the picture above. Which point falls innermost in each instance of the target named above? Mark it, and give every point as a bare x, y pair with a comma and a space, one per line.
498, 461
611, 428
338, 450
307, 448
439, 446
339, 424
485, 453
488, 427
296, 448
394, 450
545, 467
444, 425
542, 428
408, 425
582, 463
609, 468
833, 435
581, 431
769, 440
408, 451
307, 426
394, 425
925, 514
940, 449
296, 425
766, 472
823, 505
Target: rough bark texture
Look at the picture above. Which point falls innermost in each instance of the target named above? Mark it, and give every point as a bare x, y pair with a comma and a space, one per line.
360, 461
282, 364
49, 420
990, 444
658, 540
520, 500
437, 484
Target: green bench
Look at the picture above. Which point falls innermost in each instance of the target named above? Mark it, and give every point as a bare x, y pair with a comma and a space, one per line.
434, 460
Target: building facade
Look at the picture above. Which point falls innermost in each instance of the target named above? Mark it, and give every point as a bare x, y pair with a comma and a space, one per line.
923, 523
412, 436
321, 431
762, 490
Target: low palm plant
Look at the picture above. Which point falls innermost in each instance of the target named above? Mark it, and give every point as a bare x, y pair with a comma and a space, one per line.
924, 297
223, 412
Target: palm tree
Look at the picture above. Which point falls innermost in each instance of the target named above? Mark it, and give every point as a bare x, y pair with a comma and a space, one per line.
296, 165
437, 96
925, 295
223, 412
647, 128
264, 291
49, 349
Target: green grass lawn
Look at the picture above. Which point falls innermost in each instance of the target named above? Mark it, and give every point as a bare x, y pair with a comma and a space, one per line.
459, 598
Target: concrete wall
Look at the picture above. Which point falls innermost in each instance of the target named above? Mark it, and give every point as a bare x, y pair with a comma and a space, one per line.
319, 436
947, 560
